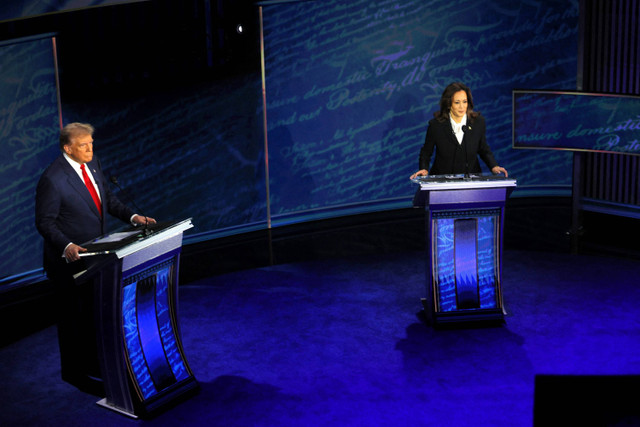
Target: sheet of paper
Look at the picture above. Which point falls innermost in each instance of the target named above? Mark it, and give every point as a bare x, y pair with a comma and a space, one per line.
115, 237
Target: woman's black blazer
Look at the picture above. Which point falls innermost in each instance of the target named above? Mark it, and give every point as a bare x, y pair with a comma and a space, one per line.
452, 157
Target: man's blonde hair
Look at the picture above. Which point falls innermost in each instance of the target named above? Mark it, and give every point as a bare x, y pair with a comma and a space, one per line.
72, 130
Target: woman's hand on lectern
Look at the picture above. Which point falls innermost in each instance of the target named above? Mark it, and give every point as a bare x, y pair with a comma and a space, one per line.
421, 172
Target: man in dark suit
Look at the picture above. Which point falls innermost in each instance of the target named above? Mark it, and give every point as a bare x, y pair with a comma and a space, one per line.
457, 133
72, 199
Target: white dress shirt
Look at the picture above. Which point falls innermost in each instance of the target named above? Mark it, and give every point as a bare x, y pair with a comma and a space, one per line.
76, 167
457, 128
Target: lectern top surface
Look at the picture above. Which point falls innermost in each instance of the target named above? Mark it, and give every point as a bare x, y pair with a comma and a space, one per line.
133, 238
449, 182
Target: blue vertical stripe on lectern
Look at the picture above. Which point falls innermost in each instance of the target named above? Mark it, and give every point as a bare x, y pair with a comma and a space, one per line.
167, 332
150, 334
487, 260
445, 272
466, 263
132, 341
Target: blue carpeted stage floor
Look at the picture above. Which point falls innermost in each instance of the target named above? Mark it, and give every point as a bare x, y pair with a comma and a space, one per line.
340, 342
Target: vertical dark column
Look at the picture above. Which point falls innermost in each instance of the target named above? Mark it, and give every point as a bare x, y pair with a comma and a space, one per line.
466, 263
610, 48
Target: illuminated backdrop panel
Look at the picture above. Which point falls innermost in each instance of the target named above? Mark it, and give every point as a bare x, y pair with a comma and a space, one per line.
29, 129
351, 85
576, 121
16, 9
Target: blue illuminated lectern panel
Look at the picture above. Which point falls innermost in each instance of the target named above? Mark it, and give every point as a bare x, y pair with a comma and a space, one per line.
464, 220
465, 264
150, 331
142, 361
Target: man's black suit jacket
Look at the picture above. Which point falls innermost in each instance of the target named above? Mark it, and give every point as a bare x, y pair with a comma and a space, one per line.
452, 157
65, 211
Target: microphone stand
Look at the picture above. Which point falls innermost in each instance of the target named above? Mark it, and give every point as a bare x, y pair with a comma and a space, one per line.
145, 231
465, 128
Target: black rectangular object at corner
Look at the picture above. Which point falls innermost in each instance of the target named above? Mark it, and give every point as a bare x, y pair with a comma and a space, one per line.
135, 276
464, 221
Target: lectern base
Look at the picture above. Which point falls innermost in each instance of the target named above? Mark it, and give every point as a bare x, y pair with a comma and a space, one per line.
105, 404
163, 401
462, 317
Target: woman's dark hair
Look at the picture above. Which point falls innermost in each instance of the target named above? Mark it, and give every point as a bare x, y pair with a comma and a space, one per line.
446, 99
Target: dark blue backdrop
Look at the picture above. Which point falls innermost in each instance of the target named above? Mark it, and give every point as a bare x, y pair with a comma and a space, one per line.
29, 126
350, 86
16, 9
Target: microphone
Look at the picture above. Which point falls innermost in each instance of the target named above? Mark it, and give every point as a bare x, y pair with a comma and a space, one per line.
466, 129
114, 180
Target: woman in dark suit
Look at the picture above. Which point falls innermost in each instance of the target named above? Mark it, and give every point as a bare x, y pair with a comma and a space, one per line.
458, 135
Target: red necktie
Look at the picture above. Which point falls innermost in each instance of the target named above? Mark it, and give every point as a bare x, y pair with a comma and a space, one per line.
91, 188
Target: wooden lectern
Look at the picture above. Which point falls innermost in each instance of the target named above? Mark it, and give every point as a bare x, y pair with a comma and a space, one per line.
464, 220
135, 277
